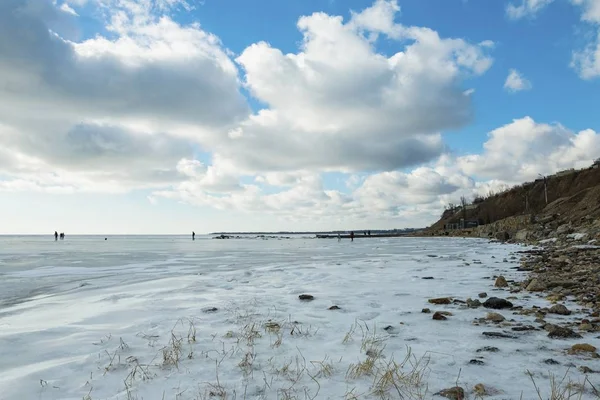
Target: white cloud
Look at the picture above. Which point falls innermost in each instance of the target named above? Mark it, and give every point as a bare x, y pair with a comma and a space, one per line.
514, 153
66, 8
110, 108
515, 82
587, 60
591, 9
527, 8
521, 150
337, 91
130, 110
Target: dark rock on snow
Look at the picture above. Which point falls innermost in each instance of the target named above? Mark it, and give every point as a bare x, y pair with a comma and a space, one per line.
497, 303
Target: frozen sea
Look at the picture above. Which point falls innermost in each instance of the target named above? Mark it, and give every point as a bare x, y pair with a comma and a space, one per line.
151, 317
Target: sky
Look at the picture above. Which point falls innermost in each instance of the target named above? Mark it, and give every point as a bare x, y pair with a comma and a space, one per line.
167, 116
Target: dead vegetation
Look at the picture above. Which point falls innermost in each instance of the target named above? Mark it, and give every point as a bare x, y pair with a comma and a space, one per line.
280, 369
575, 194
564, 388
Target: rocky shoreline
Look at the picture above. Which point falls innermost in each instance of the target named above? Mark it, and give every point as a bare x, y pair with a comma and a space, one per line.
562, 274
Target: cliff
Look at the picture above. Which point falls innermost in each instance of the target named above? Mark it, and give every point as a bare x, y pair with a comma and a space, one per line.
572, 197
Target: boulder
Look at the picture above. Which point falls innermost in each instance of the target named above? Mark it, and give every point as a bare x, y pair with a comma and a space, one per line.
536, 286
502, 236
560, 332
501, 282
495, 317
522, 235
441, 300
559, 309
498, 335
454, 393
438, 316
473, 303
426, 311
497, 303
582, 348
482, 295
564, 229
306, 297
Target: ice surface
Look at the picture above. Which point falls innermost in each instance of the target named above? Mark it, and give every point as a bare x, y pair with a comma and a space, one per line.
88, 317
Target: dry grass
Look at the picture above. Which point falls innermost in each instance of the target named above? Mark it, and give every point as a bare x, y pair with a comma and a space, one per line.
266, 367
564, 388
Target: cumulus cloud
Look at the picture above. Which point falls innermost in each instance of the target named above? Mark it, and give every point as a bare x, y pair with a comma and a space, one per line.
102, 105
515, 82
521, 150
130, 110
338, 104
527, 8
513, 153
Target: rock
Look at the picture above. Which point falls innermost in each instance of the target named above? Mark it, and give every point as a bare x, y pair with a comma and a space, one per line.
454, 393
476, 362
426, 311
441, 300
564, 229
555, 297
439, 316
306, 297
582, 348
559, 309
502, 236
488, 349
562, 284
427, 277
586, 370
501, 282
536, 286
498, 335
334, 308
494, 317
209, 310
559, 332
479, 389
522, 235
586, 327
473, 303
524, 328
497, 303
551, 361
482, 295
389, 328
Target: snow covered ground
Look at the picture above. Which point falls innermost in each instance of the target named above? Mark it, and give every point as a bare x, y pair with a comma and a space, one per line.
168, 318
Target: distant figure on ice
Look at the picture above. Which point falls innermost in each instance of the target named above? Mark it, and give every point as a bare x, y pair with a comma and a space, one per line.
62, 235
339, 237
55, 235
193, 235
352, 236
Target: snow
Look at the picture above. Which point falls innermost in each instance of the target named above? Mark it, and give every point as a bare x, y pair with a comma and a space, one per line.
576, 236
551, 240
94, 319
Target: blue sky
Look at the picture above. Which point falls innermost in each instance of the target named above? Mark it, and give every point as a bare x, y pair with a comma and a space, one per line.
144, 124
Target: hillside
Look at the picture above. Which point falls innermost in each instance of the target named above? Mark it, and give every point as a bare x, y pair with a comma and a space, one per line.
571, 195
